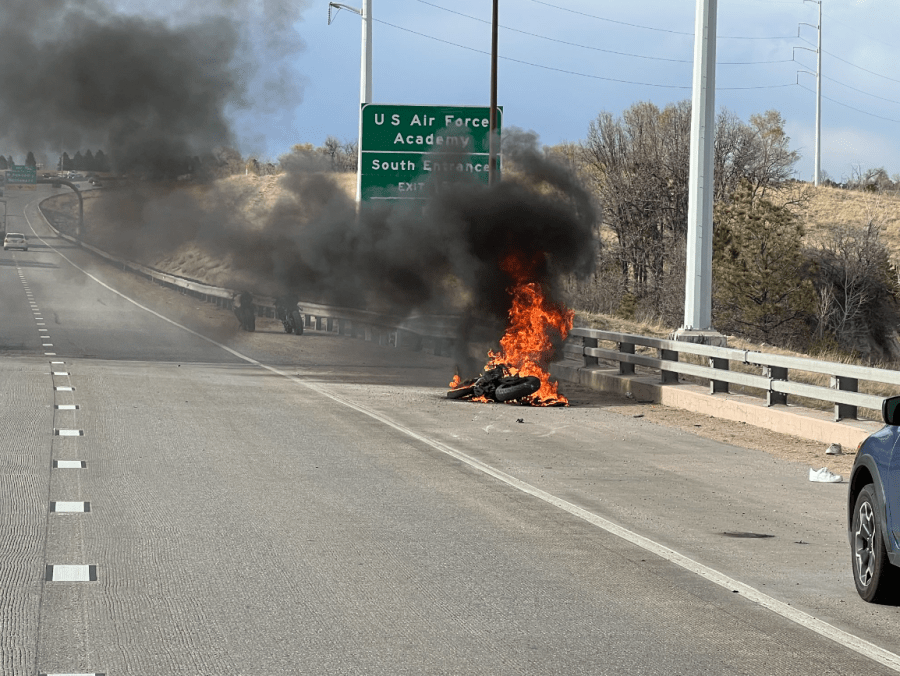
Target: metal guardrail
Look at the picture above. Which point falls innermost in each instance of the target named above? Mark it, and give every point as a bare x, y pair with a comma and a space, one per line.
774, 369
440, 331
414, 332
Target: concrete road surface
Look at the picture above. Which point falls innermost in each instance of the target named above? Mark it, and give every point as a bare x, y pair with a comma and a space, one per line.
179, 497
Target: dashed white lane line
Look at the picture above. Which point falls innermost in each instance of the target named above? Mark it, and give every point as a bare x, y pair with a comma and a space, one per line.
63, 388
60, 373
68, 433
66, 407
49, 354
69, 464
66, 506
846, 639
93, 673
46, 344
71, 573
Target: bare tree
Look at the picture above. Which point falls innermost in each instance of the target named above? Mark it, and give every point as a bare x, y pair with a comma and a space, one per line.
639, 166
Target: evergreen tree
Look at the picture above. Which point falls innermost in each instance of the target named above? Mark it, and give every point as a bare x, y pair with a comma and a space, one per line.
66, 162
763, 288
78, 161
101, 162
3, 163
89, 163
11, 163
30, 161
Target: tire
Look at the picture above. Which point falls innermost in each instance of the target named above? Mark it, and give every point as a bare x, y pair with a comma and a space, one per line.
527, 385
461, 392
298, 322
875, 578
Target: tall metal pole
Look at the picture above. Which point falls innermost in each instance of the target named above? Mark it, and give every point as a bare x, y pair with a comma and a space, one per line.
493, 141
819, 102
365, 85
698, 280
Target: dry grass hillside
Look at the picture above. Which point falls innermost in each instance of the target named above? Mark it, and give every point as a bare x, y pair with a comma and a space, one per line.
824, 208
252, 198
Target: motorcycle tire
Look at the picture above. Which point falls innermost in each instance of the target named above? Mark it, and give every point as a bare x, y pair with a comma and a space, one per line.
527, 385
298, 322
461, 392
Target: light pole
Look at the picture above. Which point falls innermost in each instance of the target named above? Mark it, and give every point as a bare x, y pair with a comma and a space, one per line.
493, 140
698, 278
365, 74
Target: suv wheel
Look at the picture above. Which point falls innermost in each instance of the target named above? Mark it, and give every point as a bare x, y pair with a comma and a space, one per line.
876, 579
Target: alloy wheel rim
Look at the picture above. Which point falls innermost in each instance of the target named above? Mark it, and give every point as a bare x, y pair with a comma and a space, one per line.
863, 544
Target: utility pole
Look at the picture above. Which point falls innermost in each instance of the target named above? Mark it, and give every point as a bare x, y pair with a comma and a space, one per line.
698, 279
818, 74
493, 140
365, 74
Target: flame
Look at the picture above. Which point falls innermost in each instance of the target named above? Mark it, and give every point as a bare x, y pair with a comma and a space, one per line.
527, 345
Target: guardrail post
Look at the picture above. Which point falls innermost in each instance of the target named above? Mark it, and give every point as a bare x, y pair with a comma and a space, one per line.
624, 367
329, 324
844, 411
718, 386
589, 360
668, 376
320, 323
775, 373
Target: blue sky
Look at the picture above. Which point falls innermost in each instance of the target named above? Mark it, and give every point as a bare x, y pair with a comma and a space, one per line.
437, 52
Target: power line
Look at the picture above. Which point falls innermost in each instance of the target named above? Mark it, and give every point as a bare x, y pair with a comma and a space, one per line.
859, 32
570, 72
564, 42
860, 67
844, 84
596, 49
661, 30
864, 112
874, 96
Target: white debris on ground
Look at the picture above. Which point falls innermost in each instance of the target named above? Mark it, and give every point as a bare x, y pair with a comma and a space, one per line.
824, 476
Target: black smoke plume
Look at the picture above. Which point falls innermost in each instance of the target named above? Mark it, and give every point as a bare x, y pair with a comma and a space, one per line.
447, 255
148, 90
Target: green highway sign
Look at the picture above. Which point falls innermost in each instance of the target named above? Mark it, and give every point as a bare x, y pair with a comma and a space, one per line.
21, 175
402, 147
404, 175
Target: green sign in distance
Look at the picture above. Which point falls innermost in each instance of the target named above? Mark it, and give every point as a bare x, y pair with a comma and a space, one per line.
21, 175
405, 146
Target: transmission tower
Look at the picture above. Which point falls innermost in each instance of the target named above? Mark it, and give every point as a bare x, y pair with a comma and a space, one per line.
818, 74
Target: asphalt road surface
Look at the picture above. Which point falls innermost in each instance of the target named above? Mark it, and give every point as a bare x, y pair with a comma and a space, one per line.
179, 497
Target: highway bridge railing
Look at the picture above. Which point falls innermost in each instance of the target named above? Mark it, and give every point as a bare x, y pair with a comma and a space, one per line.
726, 367
436, 333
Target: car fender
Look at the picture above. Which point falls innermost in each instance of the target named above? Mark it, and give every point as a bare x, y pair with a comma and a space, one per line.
871, 466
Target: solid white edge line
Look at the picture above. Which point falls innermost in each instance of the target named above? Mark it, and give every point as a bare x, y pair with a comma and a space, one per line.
806, 620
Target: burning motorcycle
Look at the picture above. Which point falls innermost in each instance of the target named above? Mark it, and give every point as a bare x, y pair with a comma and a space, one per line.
287, 310
496, 384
